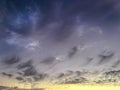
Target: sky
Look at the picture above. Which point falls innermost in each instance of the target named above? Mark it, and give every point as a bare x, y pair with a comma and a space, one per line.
46, 40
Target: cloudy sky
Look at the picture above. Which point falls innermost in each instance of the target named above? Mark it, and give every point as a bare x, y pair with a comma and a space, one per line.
40, 38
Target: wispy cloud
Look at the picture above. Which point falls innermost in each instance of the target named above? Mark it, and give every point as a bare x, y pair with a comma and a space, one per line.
116, 64
105, 56
48, 60
73, 51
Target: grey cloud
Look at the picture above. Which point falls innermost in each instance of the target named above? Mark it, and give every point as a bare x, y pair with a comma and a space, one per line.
89, 60
100, 11
116, 64
19, 78
69, 72
105, 56
48, 60
20, 73
40, 76
111, 76
60, 75
114, 72
66, 74
75, 80
11, 60
73, 51
7, 74
25, 64
78, 73
29, 79
64, 32
30, 71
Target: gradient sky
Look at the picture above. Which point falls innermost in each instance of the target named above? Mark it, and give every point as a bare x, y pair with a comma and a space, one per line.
55, 36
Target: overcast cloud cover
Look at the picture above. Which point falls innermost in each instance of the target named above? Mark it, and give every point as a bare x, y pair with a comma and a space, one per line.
39, 37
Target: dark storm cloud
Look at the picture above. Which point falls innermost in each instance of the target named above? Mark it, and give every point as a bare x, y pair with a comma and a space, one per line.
105, 56
11, 60
25, 64
7, 74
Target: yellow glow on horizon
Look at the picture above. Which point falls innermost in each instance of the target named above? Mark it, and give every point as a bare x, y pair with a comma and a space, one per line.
82, 87
49, 86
